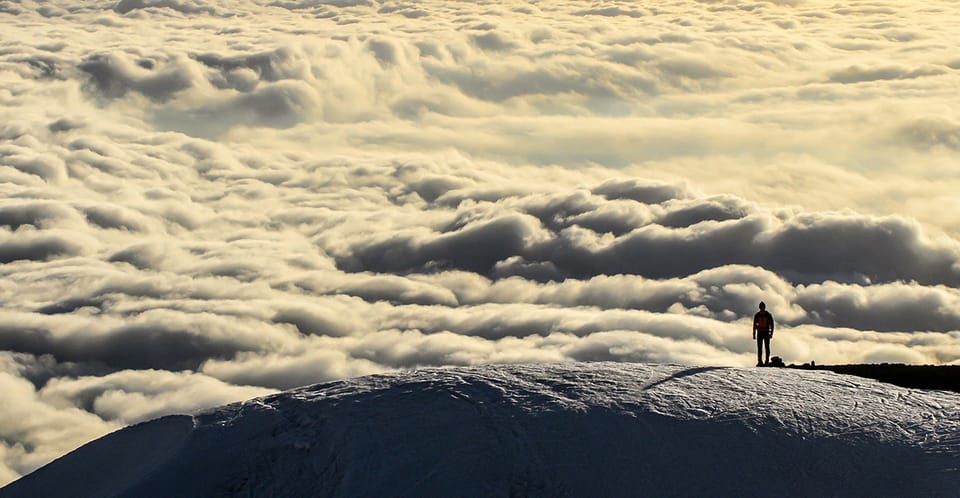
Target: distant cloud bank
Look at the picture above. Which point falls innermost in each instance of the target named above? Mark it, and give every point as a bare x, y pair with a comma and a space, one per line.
206, 201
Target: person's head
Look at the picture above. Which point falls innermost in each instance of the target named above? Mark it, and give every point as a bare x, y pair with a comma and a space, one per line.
763, 306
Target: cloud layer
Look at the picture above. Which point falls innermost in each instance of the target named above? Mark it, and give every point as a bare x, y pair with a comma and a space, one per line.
205, 201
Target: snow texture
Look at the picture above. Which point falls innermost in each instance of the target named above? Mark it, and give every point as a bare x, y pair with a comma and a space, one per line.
572, 429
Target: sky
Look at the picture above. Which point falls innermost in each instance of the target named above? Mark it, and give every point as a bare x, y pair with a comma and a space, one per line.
207, 201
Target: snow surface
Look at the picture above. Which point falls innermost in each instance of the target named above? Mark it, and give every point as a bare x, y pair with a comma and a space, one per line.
572, 429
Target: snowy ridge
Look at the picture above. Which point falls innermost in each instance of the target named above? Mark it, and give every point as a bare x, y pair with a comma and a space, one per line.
577, 429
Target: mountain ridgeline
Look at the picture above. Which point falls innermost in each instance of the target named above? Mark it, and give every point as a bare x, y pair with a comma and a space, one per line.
572, 429
944, 377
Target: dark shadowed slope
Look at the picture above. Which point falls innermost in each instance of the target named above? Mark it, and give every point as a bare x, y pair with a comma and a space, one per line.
946, 377
579, 429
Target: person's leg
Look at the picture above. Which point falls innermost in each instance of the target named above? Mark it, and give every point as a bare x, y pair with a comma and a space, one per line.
766, 343
759, 349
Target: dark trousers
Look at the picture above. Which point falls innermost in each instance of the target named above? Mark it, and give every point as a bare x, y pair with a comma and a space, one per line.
763, 340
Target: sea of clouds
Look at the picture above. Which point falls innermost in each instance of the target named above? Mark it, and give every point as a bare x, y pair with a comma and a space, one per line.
206, 201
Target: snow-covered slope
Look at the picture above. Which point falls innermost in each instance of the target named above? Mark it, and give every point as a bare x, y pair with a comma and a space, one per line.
580, 429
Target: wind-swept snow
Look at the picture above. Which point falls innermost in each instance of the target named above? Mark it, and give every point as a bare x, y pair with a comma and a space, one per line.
578, 429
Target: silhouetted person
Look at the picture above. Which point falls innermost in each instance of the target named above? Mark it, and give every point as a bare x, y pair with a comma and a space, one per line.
763, 332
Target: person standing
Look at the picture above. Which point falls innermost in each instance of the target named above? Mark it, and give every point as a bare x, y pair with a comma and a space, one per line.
763, 332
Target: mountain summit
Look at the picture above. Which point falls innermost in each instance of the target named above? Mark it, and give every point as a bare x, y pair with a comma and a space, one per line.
574, 429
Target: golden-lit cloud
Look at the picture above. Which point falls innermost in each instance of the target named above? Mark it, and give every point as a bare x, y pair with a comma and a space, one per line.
204, 201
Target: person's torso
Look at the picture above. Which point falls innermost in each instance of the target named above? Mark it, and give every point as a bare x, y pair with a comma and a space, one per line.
763, 320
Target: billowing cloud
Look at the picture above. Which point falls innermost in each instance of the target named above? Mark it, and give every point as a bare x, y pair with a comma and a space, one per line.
134, 396
35, 432
204, 201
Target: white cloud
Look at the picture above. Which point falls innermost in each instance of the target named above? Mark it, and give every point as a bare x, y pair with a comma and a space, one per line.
34, 432
129, 397
203, 196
